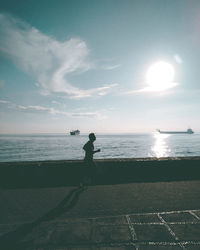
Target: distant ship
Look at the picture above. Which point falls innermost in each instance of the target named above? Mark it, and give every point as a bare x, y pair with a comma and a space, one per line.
75, 132
188, 131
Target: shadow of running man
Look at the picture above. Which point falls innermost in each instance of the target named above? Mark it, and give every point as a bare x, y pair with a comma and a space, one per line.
13, 240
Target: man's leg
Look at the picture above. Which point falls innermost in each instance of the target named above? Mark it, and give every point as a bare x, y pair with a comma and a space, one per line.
93, 172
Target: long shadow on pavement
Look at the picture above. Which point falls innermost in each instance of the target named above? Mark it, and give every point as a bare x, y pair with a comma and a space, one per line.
11, 240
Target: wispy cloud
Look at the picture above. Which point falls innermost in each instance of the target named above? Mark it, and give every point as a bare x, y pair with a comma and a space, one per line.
178, 59
36, 109
147, 89
111, 67
107, 64
53, 111
4, 101
44, 58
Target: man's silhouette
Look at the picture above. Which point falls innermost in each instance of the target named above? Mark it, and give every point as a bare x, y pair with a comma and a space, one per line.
88, 160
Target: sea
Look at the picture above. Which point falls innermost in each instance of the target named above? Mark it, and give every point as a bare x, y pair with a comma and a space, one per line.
40, 147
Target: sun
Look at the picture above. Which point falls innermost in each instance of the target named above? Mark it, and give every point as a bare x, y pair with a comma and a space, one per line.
160, 76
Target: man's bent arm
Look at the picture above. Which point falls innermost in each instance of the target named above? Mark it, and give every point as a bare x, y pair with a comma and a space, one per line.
96, 151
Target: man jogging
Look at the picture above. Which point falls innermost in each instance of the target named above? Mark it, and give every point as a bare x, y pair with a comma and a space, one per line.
88, 160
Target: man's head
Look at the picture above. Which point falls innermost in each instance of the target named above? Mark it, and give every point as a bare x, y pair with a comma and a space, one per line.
92, 137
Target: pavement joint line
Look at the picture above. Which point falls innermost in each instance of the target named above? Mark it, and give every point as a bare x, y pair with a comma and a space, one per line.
153, 213
196, 216
132, 231
178, 211
131, 228
119, 244
168, 243
184, 223
191, 242
171, 231
169, 223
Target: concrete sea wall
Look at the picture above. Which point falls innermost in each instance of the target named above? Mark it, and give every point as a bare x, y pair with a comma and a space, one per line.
109, 171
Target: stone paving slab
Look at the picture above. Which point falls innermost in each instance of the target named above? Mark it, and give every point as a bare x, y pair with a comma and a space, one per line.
187, 232
144, 218
111, 220
111, 233
153, 233
193, 247
179, 217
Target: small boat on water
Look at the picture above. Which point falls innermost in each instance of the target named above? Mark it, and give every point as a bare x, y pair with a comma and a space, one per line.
188, 131
75, 132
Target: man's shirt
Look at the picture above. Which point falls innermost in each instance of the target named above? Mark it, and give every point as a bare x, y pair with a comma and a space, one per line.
89, 149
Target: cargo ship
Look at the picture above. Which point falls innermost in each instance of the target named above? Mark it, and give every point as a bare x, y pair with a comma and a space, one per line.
75, 132
188, 131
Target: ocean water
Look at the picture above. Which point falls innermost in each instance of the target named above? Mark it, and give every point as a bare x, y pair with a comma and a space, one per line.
66, 147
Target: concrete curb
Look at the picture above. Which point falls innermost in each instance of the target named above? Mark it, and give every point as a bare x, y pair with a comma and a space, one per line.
109, 171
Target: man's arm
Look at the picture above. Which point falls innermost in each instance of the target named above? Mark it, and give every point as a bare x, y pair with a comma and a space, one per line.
96, 151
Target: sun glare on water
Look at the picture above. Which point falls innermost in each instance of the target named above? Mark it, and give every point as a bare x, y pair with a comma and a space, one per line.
160, 76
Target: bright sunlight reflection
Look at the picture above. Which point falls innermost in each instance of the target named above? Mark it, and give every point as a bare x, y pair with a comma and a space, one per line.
160, 76
160, 148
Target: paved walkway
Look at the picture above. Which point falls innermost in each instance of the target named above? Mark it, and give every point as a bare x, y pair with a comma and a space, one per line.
164, 230
60, 227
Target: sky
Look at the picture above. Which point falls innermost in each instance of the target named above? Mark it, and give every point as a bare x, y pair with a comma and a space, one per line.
103, 66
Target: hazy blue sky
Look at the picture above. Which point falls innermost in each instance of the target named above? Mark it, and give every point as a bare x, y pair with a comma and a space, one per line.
83, 64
